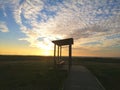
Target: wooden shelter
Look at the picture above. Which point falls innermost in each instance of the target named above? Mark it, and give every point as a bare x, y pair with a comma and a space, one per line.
60, 43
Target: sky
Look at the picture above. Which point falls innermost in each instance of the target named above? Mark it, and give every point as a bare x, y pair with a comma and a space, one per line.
27, 27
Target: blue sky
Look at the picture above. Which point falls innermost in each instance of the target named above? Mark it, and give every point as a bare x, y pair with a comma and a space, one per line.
94, 24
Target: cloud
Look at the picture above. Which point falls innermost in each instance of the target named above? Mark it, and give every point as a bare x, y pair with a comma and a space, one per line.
4, 12
85, 21
3, 27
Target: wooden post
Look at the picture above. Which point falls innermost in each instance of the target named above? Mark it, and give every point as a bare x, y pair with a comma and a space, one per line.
70, 57
55, 55
60, 51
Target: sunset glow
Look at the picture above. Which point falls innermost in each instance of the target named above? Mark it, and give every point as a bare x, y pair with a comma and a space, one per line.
27, 27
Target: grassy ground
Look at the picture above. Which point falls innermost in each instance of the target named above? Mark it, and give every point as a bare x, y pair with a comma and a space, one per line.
35, 73
107, 70
29, 73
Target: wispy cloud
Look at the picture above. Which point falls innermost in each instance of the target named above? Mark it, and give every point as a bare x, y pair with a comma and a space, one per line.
3, 27
86, 21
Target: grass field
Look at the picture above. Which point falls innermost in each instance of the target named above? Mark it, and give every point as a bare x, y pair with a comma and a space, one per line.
107, 70
36, 73
30, 73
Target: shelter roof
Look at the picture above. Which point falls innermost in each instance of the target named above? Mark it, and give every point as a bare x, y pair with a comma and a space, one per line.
61, 42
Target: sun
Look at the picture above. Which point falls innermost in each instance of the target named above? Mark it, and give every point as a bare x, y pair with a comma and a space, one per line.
45, 49
45, 46
47, 52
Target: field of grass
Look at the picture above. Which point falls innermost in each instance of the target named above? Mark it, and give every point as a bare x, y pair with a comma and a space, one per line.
30, 73
107, 70
37, 73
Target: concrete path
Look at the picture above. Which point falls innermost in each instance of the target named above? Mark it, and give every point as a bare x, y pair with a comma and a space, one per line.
81, 78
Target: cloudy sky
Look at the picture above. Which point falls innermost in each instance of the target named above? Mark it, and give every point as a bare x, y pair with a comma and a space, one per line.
27, 27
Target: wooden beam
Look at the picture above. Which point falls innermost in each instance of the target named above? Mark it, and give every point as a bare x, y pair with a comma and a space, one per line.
60, 51
55, 55
70, 57
63, 41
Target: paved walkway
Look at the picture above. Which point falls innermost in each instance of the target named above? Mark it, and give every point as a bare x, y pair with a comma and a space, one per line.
81, 78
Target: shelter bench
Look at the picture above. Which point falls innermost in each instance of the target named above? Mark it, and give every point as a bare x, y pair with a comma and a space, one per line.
60, 63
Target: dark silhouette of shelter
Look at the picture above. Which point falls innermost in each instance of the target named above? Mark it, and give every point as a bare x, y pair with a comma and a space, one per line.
60, 43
